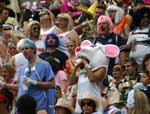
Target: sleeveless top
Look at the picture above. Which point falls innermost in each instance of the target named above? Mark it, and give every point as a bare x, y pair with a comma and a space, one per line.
44, 33
63, 41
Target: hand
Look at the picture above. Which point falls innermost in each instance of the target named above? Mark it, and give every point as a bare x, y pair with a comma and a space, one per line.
29, 81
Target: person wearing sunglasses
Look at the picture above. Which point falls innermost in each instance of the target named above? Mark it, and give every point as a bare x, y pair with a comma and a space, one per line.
89, 104
33, 32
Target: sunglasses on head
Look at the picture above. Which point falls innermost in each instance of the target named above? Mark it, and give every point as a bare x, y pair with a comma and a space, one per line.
89, 103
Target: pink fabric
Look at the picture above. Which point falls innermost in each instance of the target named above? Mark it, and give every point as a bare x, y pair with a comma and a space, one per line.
106, 19
86, 43
147, 2
60, 76
111, 50
64, 7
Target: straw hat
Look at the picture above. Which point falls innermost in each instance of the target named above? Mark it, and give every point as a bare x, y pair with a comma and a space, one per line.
89, 96
63, 102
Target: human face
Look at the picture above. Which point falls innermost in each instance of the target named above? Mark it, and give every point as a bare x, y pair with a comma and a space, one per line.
28, 52
6, 75
71, 47
12, 50
98, 12
117, 72
4, 15
62, 23
145, 20
35, 31
112, 14
87, 106
130, 69
122, 56
51, 42
104, 26
60, 110
144, 78
45, 20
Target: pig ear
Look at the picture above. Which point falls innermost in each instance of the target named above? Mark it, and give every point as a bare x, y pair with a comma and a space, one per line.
86, 43
111, 50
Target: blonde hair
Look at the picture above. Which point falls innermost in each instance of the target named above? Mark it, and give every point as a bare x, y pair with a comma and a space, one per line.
69, 18
141, 105
51, 15
29, 27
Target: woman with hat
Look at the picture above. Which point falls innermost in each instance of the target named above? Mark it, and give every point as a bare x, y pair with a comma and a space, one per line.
89, 104
63, 106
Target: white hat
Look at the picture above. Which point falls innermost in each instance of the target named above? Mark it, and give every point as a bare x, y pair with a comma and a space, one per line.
90, 97
65, 103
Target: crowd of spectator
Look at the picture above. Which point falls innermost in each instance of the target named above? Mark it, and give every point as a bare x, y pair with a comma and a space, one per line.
43, 71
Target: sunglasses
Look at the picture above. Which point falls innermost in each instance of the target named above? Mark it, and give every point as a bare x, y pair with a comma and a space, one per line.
35, 28
90, 103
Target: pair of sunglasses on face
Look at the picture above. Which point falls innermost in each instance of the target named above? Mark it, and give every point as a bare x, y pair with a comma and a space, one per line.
89, 103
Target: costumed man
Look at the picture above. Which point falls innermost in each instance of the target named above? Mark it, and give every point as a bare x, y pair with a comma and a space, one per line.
91, 69
35, 78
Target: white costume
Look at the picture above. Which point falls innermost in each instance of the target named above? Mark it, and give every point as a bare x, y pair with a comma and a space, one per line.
98, 57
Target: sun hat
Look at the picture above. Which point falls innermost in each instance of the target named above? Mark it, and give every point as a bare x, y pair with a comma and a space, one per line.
89, 96
65, 103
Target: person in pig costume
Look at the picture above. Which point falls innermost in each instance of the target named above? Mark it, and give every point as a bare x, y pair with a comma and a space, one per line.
90, 69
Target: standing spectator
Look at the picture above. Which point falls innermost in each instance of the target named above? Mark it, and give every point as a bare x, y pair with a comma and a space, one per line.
35, 78
105, 29
47, 24
72, 57
33, 32
87, 29
26, 104
52, 43
65, 22
139, 38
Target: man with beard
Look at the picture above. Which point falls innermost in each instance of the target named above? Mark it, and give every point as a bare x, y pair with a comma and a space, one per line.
105, 29
51, 43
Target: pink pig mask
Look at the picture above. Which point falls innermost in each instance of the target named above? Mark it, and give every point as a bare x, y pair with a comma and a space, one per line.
98, 54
